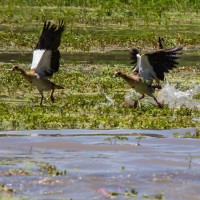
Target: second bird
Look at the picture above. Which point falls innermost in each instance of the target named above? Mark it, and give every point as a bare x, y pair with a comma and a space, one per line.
45, 61
150, 67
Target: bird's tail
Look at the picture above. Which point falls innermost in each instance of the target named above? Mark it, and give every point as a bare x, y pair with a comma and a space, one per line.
58, 87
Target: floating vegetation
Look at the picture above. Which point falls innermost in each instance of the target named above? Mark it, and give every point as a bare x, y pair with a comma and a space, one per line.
11, 172
114, 139
80, 104
139, 139
52, 170
101, 25
129, 194
98, 26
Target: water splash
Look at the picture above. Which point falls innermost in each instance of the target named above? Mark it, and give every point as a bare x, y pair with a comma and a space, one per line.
109, 100
177, 98
130, 97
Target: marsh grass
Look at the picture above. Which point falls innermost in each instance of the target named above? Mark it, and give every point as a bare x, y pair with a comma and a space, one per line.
101, 25
92, 26
82, 104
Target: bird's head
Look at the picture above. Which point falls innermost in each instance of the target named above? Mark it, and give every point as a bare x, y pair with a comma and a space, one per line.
118, 74
135, 51
16, 68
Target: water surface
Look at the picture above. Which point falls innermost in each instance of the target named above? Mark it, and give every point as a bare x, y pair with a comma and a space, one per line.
161, 164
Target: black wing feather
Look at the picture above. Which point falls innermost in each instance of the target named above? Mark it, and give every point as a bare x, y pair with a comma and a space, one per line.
164, 60
134, 53
50, 39
51, 36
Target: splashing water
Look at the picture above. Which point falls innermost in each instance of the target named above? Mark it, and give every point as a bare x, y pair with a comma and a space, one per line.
109, 100
130, 97
177, 98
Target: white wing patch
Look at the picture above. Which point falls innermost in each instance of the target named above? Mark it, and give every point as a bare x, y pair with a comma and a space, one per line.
138, 67
41, 61
146, 70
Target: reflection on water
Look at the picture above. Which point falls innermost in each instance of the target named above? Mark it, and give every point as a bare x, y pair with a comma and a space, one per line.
112, 57
160, 165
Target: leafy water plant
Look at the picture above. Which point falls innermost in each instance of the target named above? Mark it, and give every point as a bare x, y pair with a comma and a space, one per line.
188, 134
93, 26
114, 139
127, 193
101, 25
52, 170
158, 196
176, 134
139, 140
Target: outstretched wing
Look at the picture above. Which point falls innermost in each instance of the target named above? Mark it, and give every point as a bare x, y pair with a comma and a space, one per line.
163, 61
46, 54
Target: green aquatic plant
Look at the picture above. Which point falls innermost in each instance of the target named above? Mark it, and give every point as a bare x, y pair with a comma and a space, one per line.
139, 140
52, 170
114, 139
84, 76
176, 134
101, 25
127, 193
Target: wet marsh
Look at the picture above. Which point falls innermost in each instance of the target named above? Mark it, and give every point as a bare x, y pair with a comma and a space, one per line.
89, 144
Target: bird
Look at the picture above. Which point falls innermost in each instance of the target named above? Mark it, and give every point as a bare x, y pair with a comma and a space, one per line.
139, 85
45, 61
152, 66
149, 67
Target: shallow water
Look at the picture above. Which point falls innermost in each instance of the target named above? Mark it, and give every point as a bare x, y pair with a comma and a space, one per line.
161, 164
189, 58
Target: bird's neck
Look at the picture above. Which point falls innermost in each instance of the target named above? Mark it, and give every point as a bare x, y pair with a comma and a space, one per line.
127, 78
138, 60
27, 75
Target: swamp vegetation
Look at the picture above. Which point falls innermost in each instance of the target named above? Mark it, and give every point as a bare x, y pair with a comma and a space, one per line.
95, 44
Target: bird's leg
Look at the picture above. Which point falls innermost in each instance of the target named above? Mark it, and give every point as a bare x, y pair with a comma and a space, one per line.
141, 97
136, 102
160, 105
52, 97
42, 97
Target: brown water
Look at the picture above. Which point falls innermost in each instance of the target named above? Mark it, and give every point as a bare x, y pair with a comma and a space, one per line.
161, 164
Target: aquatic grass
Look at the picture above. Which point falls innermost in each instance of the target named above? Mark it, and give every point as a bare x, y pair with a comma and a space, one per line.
92, 26
82, 104
103, 25
51, 170
114, 139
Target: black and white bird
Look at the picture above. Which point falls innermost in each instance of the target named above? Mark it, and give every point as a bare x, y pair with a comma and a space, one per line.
153, 66
150, 67
46, 59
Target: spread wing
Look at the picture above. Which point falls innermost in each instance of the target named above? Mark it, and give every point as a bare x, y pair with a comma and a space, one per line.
164, 60
46, 55
153, 65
